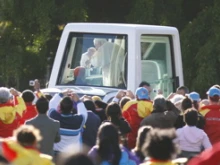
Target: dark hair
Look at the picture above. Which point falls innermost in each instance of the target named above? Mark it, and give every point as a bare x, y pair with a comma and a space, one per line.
186, 103
159, 144
27, 135
144, 83
142, 134
108, 143
48, 96
123, 101
186, 90
66, 105
159, 103
89, 104
214, 98
28, 96
100, 104
42, 105
113, 111
191, 117
195, 104
170, 106
77, 159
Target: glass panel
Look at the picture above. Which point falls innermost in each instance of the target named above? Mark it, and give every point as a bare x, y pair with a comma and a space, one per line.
94, 60
156, 63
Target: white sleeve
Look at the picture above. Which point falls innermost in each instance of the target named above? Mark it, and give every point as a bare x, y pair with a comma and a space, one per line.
116, 100
206, 143
83, 60
55, 101
81, 110
96, 59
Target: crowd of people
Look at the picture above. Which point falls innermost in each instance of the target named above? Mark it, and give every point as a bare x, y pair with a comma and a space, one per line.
132, 129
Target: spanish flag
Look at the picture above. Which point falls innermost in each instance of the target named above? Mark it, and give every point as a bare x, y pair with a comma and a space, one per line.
10, 114
16, 154
39, 94
134, 111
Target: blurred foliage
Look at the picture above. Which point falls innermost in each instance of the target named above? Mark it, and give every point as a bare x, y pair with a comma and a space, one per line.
29, 36
30, 32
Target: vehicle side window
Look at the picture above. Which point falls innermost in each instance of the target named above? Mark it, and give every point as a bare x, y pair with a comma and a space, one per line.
156, 63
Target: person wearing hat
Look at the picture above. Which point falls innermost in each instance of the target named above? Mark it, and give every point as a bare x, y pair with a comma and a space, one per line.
135, 111
195, 97
211, 114
11, 110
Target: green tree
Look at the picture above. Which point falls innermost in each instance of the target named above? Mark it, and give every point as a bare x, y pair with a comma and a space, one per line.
30, 32
201, 53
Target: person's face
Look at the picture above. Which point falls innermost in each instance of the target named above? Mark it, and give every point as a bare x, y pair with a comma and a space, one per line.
91, 52
148, 88
97, 45
36, 85
181, 92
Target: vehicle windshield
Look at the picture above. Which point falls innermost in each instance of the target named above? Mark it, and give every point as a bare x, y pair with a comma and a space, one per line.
94, 60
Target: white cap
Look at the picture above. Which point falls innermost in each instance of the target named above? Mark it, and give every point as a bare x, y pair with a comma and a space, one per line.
177, 98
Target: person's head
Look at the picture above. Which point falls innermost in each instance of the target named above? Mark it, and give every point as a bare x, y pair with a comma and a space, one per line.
204, 102
142, 134
100, 104
123, 101
36, 84
146, 85
177, 100
159, 144
191, 117
213, 95
42, 105
142, 93
182, 90
5, 95
28, 96
108, 143
186, 103
195, 97
159, 103
113, 112
89, 104
94, 98
98, 42
27, 136
91, 51
66, 105
76, 159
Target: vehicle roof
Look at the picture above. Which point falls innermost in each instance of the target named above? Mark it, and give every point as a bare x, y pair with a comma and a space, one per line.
119, 27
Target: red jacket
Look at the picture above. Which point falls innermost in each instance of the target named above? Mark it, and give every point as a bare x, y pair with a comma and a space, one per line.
10, 115
134, 112
211, 115
208, 157
30, 113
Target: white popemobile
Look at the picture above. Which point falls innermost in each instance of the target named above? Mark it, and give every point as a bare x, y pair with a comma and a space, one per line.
125, 55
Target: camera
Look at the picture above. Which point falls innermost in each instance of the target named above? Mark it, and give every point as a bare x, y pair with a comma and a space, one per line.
31, 83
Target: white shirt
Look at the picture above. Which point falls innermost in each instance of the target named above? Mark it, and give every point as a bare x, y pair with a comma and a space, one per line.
191, 138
